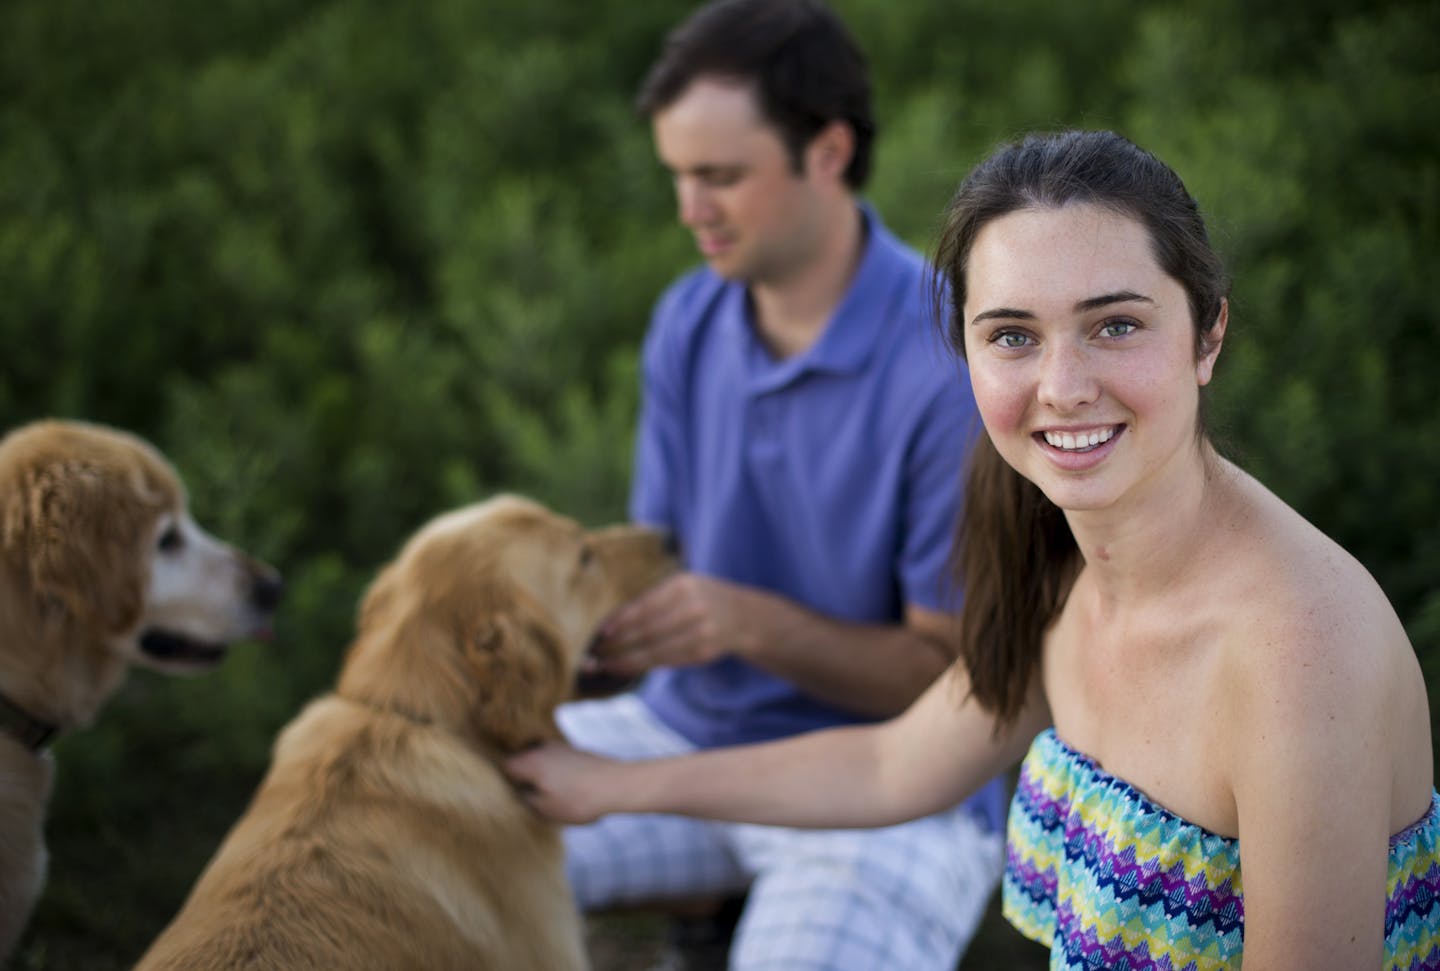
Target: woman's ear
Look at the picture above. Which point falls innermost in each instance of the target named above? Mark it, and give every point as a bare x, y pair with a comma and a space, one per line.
1210, 345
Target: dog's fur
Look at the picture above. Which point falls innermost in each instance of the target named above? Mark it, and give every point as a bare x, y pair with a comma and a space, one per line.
385, 835
101, 567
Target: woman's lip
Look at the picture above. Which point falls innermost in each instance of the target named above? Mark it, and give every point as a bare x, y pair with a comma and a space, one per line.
1077, 460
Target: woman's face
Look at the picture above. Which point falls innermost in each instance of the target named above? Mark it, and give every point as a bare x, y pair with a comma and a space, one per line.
1082, 354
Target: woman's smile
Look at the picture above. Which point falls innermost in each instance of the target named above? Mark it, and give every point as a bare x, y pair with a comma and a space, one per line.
1081, 441
1081, 450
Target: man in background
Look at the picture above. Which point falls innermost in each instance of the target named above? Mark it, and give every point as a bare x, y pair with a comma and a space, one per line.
802, 435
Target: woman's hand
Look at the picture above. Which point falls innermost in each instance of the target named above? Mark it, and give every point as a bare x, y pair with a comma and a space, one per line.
565, 784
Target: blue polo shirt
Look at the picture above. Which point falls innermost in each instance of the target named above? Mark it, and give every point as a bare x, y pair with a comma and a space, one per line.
831, 478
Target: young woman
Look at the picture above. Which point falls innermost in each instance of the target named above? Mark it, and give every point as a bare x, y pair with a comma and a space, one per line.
1206, 685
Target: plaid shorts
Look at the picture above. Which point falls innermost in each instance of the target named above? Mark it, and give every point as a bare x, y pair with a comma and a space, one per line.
906, 897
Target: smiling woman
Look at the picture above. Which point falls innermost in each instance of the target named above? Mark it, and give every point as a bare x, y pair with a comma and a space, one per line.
1137, 282
1205, 684
1210, 662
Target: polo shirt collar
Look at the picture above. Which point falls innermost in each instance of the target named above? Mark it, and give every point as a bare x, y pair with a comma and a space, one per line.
853, 331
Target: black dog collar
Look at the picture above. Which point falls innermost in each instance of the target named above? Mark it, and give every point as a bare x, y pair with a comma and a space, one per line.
24, 727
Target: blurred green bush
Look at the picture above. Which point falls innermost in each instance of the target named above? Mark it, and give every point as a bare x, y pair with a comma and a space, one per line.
352, 263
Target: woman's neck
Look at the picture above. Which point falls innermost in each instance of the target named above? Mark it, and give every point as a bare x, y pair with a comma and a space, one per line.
1148, 543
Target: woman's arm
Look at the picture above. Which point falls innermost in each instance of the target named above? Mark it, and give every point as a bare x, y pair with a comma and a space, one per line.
1313, 773
935, 754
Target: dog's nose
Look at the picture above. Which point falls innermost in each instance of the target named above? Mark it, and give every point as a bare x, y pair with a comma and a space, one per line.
266, 590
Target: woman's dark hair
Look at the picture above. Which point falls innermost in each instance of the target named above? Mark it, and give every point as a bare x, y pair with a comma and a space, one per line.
1015, 557
806, 67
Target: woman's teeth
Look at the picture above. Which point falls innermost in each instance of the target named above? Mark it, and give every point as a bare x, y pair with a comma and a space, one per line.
1073, 442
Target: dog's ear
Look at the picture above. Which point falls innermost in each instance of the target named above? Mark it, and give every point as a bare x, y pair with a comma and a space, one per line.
518, 660
406, 654
79, 544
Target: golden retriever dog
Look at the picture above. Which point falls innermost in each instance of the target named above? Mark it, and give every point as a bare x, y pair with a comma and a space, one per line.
101, 567
385, 835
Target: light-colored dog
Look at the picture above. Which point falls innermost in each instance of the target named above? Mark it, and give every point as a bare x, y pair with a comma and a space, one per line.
385, 835
101, 567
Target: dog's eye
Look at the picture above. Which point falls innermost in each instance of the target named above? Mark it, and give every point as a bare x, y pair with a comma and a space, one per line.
587, 556
171, 540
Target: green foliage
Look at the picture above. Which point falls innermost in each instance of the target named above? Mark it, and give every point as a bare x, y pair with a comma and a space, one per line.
350, 264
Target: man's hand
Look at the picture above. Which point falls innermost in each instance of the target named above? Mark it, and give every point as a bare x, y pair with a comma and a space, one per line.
692, 619
686, 619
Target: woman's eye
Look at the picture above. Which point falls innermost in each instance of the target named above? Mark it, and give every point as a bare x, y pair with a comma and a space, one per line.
1118, 328
1009, 338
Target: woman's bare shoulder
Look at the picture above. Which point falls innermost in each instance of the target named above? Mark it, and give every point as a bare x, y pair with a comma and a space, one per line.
1319, 679
1302, 613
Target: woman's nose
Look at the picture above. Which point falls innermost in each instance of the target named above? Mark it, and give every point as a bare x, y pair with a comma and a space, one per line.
1067, 378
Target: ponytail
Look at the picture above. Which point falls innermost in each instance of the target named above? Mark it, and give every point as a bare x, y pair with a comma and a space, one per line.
1015, 559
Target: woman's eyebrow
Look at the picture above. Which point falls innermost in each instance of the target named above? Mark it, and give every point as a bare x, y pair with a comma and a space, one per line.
1121, 296
1002, 313
1082, 306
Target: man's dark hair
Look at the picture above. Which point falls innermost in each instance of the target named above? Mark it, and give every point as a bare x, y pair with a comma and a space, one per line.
806, 68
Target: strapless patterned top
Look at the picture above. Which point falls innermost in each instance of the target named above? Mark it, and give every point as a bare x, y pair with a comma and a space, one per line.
1108, 879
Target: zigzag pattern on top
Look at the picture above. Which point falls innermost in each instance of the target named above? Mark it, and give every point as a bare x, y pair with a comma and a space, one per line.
1412, 896
1109, 879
